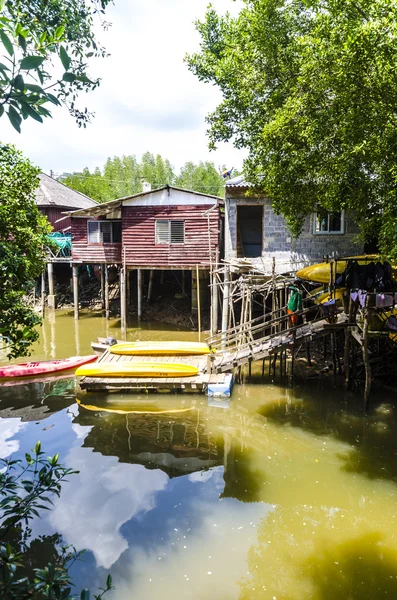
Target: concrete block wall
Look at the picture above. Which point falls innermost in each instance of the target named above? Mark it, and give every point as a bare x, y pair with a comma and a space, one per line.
290, 253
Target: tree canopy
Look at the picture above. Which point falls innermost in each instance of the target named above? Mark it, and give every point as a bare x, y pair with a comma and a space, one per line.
23, 238
122, 176
309, 88
45, 48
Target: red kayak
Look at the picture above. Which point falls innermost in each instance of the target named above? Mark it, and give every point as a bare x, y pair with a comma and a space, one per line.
45, 367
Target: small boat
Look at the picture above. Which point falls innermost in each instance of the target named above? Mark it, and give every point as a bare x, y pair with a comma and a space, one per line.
45, 367
169, 348
102, 344
321, 272
137, 369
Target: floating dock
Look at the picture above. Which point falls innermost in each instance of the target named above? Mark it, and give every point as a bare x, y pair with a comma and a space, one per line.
214, 383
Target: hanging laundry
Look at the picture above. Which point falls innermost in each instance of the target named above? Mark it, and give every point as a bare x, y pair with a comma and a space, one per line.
294, 305
384, 300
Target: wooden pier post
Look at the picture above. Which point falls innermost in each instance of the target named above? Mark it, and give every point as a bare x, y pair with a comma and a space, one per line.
225, 305
139, 287
368, 377
76, 291
107, 304
103, 267
214, 306
150, 287
42, 294
123, 301
198, 302
51, 300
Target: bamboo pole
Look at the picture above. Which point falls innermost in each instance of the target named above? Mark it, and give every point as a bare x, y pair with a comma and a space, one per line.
123, 302
367, 365
198, 302
76, 291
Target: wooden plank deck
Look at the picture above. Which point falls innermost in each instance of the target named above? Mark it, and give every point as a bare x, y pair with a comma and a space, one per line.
189, 384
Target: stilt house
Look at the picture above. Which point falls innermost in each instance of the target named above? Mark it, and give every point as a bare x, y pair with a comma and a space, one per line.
255, 233
164, 229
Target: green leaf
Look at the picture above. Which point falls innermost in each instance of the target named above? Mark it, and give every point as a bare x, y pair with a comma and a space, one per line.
15, 118
31, 62
1, 110
83, 79
59, 31
19, 83
65, 58
69, 77
32, 113
109, 581
43, 38
3, 67
22, 42
85, 595
2, 3
37, 447
32, 87
6, 42
53, 99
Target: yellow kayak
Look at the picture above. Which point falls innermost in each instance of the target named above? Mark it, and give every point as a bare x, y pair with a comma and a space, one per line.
136, 369
156, 348
320, 273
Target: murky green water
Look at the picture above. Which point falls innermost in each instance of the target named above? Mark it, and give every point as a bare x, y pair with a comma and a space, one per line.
279, 493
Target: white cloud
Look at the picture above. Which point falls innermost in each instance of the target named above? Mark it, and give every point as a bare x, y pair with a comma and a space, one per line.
148, 100
95, 504
207, 563
8, 429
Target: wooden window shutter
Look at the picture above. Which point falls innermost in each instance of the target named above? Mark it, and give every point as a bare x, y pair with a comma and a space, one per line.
177, 232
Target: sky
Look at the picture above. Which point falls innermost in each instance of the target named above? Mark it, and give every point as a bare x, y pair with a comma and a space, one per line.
147, 101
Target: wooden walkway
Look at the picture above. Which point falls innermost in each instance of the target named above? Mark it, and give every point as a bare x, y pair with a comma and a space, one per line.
198, 383
252, 341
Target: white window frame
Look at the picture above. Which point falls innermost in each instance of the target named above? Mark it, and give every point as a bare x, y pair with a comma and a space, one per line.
98, 231
328, 232
168, 241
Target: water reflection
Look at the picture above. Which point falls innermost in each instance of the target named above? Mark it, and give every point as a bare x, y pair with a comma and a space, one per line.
285, 493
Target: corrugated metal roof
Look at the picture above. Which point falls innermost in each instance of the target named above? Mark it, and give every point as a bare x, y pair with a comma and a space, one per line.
54, 193
112, 205
238, 182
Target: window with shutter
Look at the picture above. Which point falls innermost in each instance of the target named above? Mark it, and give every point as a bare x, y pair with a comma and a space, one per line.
104, 232
170, 232
177, 232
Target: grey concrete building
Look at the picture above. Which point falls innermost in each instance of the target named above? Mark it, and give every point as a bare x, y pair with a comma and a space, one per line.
255, 233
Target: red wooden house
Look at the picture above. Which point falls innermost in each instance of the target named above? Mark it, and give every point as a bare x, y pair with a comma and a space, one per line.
164, 229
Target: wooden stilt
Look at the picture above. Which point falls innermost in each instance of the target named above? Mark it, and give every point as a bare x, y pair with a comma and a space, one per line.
51, 300
103, 268
225, 305
198, 302
43, 294
76, 291
128, 287
263, 367
150, 286
123, 301
214, 306
50, 270
107, 304
139, 286
183, 282
162, 274
367, 365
